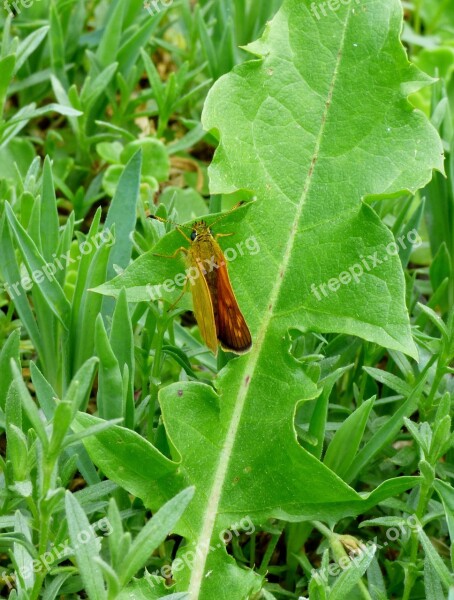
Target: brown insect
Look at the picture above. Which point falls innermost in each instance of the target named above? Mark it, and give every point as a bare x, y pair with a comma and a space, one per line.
216, 309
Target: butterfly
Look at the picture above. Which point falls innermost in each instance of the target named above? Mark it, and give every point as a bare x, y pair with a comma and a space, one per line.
216, 309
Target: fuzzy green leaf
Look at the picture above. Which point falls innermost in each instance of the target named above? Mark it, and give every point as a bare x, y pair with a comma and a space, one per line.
153, 534
86, 548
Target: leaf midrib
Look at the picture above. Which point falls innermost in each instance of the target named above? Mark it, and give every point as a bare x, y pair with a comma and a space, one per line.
214, 497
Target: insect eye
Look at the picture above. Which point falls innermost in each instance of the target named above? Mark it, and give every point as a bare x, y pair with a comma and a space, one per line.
193, 235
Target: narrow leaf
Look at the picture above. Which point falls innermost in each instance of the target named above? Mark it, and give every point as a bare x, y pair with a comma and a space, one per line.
153, 534
86, 548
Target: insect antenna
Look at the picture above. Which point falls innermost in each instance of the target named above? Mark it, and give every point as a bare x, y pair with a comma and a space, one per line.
224, 215
188, 227
162, 220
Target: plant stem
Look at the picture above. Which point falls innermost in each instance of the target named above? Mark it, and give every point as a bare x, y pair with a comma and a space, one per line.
155, 375
269, 552
410, 574
339, 552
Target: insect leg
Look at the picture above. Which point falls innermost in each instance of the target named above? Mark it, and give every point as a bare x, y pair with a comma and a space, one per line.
174, 255
185, 285
184, 235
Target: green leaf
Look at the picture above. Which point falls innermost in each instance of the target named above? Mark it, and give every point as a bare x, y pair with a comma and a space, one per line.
91, 494
432, 583
342, 588
22, 558
130, 50
110, 391
187, 141
53, 588
157, 86
131, 461
79, 389
418, 433
12, 275
150, 588
57, 44
207, 46
390, 380
153, 534
86, 305
63, 99
95, 430
36, 264
441, 269
407, 244
61, 424
386, 433
28, 405
188, 203
49, 224
376, 581
122, 343
15, 159
86, 548
122, 213
17, 449
30, 112
10, 351
436, 320
45, 394
347, 439
441, 436
98, 86
117, 533
446, 493
111, 37
7, 65
317, 424
439, 567
122, 454
155, 158
29, 45
111, 578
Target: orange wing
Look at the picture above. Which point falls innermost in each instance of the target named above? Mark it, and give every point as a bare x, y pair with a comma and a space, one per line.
203, 310
232, 330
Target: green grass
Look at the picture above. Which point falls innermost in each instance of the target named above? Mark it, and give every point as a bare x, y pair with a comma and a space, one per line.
126, 446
